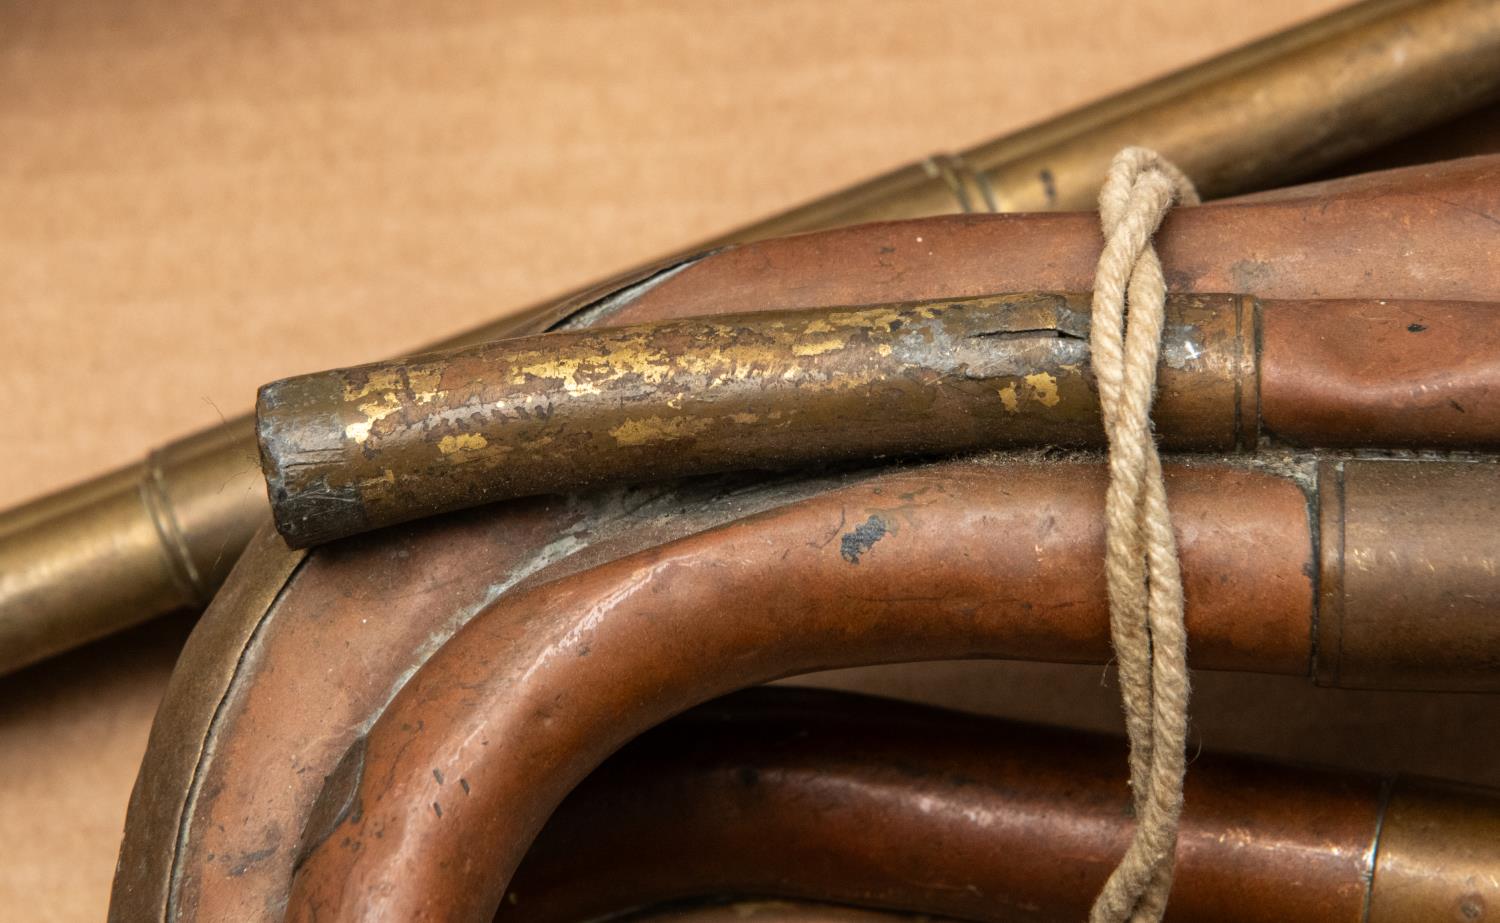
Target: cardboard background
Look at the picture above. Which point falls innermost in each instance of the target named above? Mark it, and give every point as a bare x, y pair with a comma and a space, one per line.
199, 197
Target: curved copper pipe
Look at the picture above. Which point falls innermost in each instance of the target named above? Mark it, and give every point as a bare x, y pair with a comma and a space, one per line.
955, 560
790, 793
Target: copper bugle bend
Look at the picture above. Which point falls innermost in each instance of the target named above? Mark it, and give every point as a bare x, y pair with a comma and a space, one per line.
792, 793
258, 689
988, 559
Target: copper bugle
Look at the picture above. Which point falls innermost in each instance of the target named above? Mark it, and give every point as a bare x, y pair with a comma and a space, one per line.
150, 537
789, 793
356, 449
303, 651
226, 723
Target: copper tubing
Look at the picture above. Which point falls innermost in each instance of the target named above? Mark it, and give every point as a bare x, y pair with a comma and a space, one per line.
956, 560
1316, 94
790, 793
355, 449
207, 840
303, 651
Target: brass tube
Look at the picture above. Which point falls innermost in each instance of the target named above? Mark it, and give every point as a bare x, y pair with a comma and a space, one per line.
356, 449
1280, 108
351, 450
791, 793
1409, 586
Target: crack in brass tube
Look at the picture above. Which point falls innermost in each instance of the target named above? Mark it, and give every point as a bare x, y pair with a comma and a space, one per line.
351, 450
78, 563
356, 449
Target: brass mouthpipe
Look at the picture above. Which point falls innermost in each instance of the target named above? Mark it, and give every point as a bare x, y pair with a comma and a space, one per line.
952, 560
81, 563
790, 793
356, 449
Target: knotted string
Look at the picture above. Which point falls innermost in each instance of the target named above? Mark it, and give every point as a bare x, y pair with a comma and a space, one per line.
1145, 584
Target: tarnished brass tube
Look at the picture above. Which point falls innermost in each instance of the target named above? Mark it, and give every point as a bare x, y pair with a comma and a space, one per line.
115, 551
350, 450
1409, 575
944, 561
1278, 109
790, 793
355, 449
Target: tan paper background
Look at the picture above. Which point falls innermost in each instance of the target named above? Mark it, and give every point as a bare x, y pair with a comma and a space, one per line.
196, 197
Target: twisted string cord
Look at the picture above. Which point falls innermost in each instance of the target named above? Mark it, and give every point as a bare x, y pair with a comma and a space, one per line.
1141, 568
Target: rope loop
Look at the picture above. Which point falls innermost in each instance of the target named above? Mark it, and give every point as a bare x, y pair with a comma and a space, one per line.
1140, 563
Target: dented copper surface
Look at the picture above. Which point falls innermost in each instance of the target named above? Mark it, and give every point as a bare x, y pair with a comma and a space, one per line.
355, 449
81, 563
790, 793
1393, 374
962, 559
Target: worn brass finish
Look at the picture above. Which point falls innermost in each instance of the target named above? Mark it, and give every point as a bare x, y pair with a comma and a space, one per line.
1410, 575
117, 550
1437, 856
792, 793
355, 449
1260, 118
1283, 107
